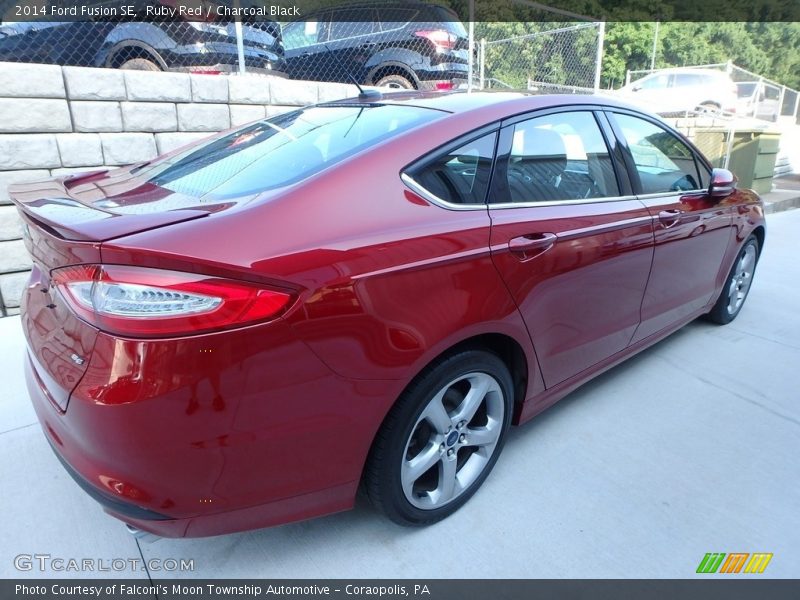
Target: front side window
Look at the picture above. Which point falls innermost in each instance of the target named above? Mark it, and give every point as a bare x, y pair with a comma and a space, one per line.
299, 34
459, 176
281, 150
663, 162
654, 82
561, 156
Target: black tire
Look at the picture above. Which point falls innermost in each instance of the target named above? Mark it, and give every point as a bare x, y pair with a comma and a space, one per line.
710, 108
726, 308
139, 64
394, 448
395, 81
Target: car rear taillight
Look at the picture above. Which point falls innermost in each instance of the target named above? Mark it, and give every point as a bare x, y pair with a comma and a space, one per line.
439, 37
143, 302
445, 85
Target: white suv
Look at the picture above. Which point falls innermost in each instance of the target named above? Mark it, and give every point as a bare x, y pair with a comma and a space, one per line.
681, 90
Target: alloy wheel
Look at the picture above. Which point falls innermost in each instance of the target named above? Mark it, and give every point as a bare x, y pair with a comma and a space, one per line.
741, 279
452, 441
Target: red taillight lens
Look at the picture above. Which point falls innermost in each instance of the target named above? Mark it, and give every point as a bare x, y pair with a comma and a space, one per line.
141, 302
445, 85
440, 38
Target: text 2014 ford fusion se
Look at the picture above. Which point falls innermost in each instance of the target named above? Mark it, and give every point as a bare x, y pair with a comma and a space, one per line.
369, 291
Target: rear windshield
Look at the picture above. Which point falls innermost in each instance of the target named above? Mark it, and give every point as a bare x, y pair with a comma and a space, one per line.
282, 150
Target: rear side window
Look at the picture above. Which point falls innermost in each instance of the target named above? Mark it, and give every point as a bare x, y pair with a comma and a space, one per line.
461, 175
663, 162
561, 156
352, 23
282, 150
686, 79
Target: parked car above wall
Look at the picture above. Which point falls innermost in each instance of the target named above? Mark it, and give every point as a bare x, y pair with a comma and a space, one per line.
681, 90
404, 45
149, 46
758, 99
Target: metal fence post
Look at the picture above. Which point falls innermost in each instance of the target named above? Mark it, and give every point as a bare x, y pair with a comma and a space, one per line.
780, 100
237, 25
655, 48
760, 89
598, 61
471, 62
729, 145
240, 44
796, 105
627, 76
482, 62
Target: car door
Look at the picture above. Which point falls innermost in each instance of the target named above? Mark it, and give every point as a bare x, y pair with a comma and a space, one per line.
352, 40
304, 45
692, 231
572, 244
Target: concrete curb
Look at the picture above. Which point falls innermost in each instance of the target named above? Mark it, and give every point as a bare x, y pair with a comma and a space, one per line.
782, 205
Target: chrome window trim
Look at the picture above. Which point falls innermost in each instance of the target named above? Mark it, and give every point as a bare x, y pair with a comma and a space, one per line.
576, 201
672, 193
434, 199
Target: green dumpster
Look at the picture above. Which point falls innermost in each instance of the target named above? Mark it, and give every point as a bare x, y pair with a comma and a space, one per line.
753, 154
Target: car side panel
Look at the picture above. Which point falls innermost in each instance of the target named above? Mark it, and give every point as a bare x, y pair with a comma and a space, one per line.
580, 298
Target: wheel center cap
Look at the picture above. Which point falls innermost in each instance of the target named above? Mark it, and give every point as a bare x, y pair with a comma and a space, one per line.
452, 438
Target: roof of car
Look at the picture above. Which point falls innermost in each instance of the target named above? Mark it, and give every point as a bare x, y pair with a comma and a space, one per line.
689, 70
462, 101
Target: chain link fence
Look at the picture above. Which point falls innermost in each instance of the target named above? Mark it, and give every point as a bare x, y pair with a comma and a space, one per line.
417, 45
151, 46
543, 57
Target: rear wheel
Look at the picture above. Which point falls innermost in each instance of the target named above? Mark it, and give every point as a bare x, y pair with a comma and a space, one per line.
139, 64
734, 293
710, 108
441, 439
395, 81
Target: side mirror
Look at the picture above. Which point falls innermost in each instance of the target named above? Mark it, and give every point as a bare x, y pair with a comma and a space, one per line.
723, 184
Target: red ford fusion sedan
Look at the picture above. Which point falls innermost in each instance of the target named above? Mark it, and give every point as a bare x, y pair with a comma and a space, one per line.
364, 292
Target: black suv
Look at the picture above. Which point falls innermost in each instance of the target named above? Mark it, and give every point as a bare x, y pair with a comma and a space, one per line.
396, 44
169, 46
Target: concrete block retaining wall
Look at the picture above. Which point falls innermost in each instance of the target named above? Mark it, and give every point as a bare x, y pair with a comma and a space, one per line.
62, 120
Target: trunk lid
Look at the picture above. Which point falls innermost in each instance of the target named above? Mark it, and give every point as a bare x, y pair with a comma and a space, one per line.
65, 221
103, 205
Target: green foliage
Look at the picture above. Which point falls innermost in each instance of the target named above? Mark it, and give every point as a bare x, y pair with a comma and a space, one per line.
770, 49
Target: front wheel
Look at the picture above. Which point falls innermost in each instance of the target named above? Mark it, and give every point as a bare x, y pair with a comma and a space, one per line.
442, 438
737, 285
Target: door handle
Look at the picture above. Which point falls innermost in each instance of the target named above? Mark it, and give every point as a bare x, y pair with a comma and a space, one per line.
531, 245
668, 218
672, 217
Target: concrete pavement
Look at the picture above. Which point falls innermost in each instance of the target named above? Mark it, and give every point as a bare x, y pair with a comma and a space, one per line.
690, 447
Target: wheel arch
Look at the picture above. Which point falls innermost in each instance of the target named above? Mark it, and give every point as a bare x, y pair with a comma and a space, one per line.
127, 49
392, 68
506, 347
761, 233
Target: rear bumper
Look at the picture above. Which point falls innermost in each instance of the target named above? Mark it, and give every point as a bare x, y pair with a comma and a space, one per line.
179, 443
441, 84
